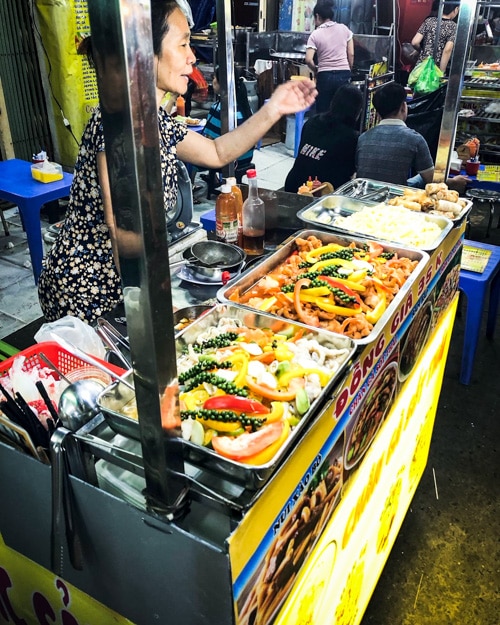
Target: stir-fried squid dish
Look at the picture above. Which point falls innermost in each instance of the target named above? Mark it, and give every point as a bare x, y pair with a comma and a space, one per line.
337, 288
243, 390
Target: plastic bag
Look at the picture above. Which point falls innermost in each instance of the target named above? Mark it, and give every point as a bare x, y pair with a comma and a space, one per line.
409, 54
76, 332
425, 77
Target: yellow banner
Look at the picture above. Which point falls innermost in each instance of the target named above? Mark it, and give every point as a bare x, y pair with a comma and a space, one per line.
31, 595
72, 87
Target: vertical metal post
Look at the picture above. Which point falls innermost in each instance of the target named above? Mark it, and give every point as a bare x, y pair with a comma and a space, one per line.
454, 89
228, 112
123, 51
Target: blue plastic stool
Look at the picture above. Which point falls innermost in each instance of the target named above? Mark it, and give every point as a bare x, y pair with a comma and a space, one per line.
299, 122
475, 286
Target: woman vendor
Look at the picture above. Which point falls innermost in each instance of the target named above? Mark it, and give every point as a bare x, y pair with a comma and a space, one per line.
80, 274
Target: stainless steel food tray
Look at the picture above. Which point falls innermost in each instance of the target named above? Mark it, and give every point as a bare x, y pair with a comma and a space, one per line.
115, 397
375, 190
249, 278
324, 213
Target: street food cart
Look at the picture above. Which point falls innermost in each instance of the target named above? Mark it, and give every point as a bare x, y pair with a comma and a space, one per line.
300, 538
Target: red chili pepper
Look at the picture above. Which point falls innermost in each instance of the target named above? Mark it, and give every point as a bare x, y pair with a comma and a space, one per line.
339, 285
234, 402
225, 277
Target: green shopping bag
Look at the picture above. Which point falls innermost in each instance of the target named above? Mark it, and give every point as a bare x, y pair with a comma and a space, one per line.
425, 77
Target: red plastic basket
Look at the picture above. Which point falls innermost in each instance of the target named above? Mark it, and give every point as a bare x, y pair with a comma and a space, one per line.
63, 360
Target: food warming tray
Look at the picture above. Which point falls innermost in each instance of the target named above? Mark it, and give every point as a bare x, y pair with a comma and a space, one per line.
324, 212
251, 276
375, 190
115, 397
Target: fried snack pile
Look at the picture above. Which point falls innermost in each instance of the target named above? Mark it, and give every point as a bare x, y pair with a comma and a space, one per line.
340, 289
435, 199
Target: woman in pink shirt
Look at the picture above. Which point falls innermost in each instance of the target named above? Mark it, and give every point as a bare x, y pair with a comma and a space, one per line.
329, 54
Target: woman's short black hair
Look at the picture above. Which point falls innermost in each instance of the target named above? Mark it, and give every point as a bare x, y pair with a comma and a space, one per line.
388, 99
324, 9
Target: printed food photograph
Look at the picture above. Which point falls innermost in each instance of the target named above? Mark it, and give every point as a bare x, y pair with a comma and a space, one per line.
310, 595
342, 289
263, 596
414, 340
370, 414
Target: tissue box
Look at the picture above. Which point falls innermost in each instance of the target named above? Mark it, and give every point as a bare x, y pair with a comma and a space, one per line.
47, 171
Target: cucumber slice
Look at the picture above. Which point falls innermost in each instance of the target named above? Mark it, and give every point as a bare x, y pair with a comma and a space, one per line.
302, 402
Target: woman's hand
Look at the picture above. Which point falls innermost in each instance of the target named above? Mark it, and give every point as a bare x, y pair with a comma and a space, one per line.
292, 97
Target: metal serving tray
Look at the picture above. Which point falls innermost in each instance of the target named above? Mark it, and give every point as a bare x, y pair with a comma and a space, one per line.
115, 397
324, 212
374, 190
249, 278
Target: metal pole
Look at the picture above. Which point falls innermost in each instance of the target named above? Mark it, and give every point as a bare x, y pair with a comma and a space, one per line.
228, 112
454, 89
123, 51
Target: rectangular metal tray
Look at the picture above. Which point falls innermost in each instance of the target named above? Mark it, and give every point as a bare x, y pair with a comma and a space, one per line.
375, 190
324, 212
251, 276
251, 477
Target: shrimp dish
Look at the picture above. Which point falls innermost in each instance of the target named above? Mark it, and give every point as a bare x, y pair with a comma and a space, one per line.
342, 289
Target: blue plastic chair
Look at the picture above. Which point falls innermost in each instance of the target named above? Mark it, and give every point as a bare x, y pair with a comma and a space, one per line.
475, 286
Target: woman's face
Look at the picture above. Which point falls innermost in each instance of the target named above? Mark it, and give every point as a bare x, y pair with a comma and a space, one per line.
175, 63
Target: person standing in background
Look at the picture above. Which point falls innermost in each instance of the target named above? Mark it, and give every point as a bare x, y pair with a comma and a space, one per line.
328, 142
332, 45
426, 34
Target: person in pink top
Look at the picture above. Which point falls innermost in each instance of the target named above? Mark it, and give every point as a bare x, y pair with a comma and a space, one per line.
329, 54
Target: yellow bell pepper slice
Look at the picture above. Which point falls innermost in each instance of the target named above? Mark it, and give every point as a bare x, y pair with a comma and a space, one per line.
239, 361
332, 261
282, 353
378, 311
268, 303
193, 400
317, 291
277, 412
351, 284
220, 426
357, 276
301, 372
268, 454
312, 256
328, 306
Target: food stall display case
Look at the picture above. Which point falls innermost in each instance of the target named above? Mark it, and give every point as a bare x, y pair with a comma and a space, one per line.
342, 490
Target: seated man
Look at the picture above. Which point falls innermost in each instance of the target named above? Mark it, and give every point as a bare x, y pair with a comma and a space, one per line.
392, 152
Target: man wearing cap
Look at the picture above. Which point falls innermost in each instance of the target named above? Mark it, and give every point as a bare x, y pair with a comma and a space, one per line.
392, 152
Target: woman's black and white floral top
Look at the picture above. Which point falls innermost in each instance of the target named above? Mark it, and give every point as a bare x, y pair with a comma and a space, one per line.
79, 276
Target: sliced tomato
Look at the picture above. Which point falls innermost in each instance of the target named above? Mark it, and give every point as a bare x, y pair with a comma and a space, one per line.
268, 453
375, 249
248, 444
236, 403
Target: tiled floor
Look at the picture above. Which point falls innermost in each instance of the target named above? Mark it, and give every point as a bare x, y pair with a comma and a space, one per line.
18, 293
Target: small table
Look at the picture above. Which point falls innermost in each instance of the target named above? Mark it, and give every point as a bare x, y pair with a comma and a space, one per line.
18, 186
475, 286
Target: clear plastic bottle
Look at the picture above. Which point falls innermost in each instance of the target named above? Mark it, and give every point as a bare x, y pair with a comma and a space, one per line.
226, 216
254, 217
231, 181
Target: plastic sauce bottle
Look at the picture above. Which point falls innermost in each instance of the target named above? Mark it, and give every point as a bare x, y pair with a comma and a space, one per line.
254, 217
226, 216
180, 105
239, 206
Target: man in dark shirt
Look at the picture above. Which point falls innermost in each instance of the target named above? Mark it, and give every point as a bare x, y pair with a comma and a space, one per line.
392, 152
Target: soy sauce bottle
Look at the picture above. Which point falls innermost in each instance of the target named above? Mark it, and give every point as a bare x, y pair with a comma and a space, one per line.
254, 218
